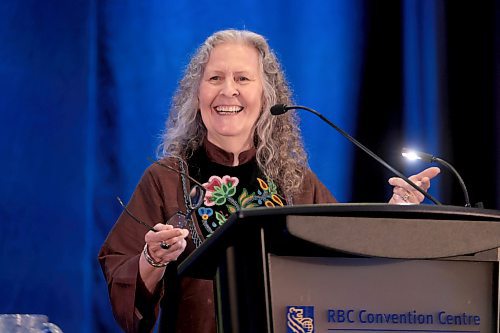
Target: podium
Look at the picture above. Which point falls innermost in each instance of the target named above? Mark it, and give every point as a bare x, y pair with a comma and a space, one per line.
354, 268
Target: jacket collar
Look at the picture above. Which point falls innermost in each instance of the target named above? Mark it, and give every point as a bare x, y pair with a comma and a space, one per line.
220, 156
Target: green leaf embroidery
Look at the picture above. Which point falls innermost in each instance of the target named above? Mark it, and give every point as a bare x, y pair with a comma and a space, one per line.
220, 218
220, 201
218, 198
231, 191
273, 189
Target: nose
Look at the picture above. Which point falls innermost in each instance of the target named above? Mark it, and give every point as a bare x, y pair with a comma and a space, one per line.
229, 89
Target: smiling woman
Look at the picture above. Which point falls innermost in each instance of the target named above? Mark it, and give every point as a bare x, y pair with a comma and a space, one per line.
220, 135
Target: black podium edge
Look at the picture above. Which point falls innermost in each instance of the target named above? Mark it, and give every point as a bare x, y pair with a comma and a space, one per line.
204, 255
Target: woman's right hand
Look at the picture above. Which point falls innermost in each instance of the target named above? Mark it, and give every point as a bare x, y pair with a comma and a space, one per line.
176, 240
167, 243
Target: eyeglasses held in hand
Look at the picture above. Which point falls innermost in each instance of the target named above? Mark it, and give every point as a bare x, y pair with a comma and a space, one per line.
180, 219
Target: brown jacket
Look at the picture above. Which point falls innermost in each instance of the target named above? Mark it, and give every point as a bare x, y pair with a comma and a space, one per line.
187, 304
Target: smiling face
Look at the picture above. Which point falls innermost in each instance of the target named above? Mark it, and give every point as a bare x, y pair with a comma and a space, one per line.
230, 94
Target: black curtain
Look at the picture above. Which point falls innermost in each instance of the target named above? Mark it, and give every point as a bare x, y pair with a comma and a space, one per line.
468, 132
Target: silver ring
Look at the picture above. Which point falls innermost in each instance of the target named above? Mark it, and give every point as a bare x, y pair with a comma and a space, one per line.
164, 245
405, 197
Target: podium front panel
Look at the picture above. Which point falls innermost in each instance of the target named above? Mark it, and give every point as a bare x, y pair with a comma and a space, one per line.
382, 295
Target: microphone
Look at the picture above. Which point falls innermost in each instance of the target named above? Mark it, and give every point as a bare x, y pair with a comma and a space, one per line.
279, 109
417, 155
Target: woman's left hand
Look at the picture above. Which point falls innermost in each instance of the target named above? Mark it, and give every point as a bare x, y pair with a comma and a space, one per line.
404, 193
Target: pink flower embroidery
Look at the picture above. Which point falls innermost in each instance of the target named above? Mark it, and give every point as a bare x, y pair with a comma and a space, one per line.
218, 190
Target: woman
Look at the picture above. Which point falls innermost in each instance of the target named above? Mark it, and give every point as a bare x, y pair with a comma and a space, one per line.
219, 133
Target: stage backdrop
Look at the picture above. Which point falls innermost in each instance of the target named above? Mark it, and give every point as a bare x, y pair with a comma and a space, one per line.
85, 87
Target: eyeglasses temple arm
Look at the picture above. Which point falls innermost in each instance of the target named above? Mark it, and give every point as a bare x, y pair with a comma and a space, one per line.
135, 218
178, 171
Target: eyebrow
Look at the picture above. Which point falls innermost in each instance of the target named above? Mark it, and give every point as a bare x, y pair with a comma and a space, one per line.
243, 72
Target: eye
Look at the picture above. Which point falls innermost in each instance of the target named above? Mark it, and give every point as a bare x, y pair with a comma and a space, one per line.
242, 79
214, 78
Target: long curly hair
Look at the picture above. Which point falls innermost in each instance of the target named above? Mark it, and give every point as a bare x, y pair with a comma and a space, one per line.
280, 151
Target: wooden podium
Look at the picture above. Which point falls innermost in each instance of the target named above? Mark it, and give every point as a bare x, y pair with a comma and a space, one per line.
354, 267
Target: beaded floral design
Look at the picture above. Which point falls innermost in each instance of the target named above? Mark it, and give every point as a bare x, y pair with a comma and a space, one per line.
223, 197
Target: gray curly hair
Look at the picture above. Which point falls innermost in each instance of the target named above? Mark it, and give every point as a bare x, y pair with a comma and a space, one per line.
280, 152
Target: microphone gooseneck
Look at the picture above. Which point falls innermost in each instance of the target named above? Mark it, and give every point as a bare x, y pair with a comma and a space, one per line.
426, 157
279, 109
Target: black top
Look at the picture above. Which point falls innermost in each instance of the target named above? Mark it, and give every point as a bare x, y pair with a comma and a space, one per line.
229, 189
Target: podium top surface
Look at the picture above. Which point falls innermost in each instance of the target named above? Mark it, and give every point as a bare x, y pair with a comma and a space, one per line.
393, 231
376, 209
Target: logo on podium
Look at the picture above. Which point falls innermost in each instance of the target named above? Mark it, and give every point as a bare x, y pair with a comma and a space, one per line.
300, 319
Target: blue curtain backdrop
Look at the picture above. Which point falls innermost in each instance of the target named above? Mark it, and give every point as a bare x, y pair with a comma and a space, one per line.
85, 87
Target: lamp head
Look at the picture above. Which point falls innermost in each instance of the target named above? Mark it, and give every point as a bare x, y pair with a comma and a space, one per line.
413, 155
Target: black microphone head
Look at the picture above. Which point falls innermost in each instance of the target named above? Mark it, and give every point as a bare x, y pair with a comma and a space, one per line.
278, 109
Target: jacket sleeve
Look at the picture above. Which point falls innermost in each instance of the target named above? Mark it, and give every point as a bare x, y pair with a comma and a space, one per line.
313, 191
153, 201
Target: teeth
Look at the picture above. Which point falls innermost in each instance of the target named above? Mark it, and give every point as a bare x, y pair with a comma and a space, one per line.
228, 108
